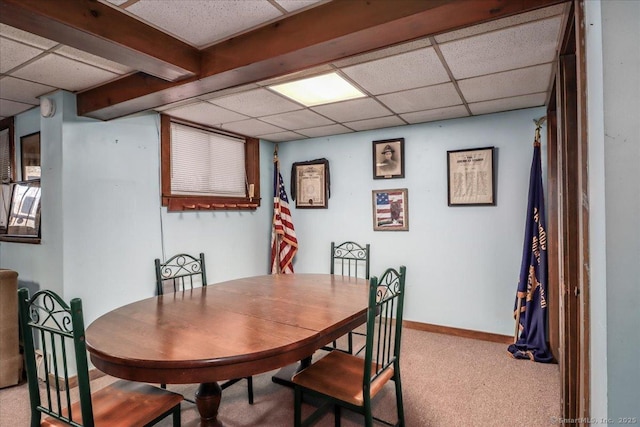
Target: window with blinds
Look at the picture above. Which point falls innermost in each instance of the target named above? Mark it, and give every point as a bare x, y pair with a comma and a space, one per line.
206, 163
207, 169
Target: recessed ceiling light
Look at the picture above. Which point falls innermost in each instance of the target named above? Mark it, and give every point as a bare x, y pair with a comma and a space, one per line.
319, 90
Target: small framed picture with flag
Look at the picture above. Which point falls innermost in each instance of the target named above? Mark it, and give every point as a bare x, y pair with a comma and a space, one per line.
390, 210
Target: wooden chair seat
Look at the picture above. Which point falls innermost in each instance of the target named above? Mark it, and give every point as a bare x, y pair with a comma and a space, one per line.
340, 375
125, 404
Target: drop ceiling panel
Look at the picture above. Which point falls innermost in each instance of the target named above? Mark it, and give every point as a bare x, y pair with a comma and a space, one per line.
11, 108
405, 71
383, 53
201, 22
324, 131
506, 104
510, 83
15, 54
281, 136
293, 5
507, 49
22, 90
58, 71
251, 127
498, 24
350, 111
437, 114
255, 103
90, 59
295, 120
205, 113
426, 98
26, 38
381, 122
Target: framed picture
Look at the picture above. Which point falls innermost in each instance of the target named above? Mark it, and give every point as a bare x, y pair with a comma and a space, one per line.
388, 158
470, 177
24, 212
310, 185
30, 156
390, 210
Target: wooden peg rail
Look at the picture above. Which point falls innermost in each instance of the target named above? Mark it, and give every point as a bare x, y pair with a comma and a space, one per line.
175, 204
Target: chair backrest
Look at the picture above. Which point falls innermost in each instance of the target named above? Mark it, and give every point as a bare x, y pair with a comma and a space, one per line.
180, 271
351, 259
384, 323
59, 330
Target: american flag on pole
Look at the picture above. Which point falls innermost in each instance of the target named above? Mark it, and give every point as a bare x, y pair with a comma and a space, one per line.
284, 243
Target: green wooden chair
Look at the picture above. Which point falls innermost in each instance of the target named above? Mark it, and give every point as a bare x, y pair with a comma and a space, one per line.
348, 381
349, 259
182, 272
59, 329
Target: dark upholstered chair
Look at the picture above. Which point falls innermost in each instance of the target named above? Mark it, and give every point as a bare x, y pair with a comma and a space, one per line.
349, 259
348, 381
182, 272
59, 329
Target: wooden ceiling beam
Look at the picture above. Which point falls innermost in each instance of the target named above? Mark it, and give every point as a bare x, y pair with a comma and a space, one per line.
104, 31
326, 33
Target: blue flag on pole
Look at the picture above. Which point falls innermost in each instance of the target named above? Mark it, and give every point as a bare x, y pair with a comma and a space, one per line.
531, 298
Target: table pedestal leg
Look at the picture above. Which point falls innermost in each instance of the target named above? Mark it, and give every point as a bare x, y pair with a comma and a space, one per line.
208, 398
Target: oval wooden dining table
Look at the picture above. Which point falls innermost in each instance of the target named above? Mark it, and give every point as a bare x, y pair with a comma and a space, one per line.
226, 330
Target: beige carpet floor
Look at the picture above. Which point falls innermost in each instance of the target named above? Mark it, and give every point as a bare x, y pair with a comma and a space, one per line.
446, 381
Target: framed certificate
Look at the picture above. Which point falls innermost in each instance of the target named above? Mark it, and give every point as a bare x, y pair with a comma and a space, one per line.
311, 184
470, 178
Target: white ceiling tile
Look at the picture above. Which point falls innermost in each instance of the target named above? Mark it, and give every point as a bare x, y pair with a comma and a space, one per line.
15, 54
295, 120
436, 114
228, 91
11, 108
324, 131
498, 24
383, 53
256, 103
426, 98
291, 5
510, 83
350, 111
406, 71
322, 69
507, 49
22, 90
380, 122
252, 127
26, 38
90, 59
506, 104
205, 113
64, 73
202, 22
281, 136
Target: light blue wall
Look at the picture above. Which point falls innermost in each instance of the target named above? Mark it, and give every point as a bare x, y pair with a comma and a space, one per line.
462, 262
621, 84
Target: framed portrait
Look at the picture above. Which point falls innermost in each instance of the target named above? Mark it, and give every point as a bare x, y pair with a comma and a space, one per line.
30, 156
470, 179
388, 158
311, 183
24, 211
390, 210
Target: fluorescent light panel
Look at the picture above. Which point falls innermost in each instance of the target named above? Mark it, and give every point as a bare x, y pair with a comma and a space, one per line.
319, 90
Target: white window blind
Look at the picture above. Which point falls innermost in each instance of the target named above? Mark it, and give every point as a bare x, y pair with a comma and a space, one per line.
5, 156
205, 163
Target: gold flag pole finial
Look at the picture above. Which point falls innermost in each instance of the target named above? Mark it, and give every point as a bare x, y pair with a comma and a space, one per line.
539, 122
275, 154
